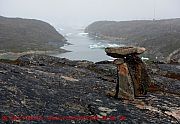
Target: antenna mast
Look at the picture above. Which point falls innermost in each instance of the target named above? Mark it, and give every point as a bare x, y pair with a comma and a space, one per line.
154, 10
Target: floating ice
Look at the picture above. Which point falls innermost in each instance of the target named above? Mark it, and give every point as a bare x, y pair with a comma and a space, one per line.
61, 29
68, 34
97, 46
114, 45
102, 46
143, 58
83, 34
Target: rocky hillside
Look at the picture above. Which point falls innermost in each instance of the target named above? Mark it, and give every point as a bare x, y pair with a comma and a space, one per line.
161, 37
43, 87
20, 35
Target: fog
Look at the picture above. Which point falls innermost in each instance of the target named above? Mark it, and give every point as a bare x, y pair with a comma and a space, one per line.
84, 12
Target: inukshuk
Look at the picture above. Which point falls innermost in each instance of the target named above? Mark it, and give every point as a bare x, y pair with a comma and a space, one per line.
133, 79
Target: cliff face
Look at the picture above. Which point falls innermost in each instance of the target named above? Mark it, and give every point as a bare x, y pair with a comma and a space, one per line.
161, 37
19, 35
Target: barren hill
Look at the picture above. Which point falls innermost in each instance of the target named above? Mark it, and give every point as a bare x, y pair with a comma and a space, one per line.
19, 35
161, 37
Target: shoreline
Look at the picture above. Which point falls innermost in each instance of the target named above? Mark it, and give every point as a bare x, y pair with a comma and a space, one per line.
16, 55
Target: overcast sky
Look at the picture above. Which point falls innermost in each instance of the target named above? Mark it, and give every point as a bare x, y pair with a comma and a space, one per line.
84, 12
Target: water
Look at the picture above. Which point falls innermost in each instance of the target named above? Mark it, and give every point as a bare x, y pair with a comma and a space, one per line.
85, 48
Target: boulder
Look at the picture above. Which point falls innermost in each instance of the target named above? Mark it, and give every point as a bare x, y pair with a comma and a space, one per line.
119, 52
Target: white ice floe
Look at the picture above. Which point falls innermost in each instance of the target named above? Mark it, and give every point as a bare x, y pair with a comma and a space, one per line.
96, 46
68, 34
102, 46
83, 34
113, 45
61, 29
144, 58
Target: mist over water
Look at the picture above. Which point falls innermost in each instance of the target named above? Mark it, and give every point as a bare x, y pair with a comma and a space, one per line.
78, 13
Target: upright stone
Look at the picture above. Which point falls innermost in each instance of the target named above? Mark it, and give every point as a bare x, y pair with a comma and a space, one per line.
133, 79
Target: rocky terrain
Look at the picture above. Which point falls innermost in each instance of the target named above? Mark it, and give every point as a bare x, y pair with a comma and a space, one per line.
26, 35
161, 37
40, 85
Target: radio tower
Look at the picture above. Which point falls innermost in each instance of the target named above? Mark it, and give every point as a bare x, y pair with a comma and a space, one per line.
154, 11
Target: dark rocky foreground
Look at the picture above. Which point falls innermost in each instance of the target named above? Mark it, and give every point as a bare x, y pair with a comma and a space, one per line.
39, 85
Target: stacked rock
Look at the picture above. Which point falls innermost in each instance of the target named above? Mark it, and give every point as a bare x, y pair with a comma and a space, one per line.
133, 79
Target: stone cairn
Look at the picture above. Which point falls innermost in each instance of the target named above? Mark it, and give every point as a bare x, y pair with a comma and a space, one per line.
133, 80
